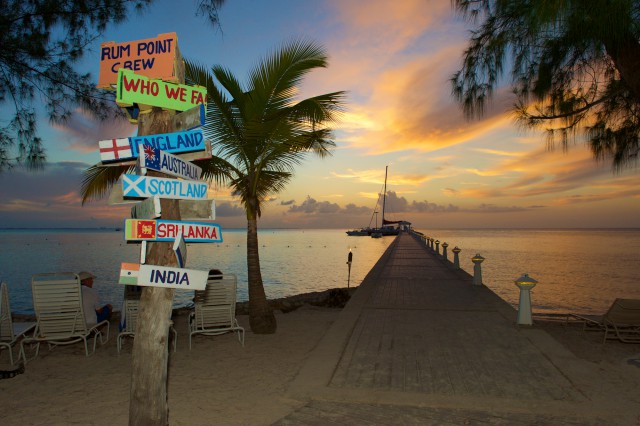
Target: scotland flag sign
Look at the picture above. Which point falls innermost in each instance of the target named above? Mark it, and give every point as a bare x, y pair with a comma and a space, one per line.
143, 187
162, 161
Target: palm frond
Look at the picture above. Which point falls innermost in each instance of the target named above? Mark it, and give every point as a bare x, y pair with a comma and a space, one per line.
98, 180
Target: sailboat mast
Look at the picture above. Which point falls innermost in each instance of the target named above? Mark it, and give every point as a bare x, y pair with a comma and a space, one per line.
384, 194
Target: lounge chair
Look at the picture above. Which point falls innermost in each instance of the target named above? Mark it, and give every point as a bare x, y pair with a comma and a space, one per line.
130, 317
215, 309
621, 321
57, 301
10, 332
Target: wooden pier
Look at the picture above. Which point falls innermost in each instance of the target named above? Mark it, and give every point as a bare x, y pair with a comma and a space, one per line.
419, 344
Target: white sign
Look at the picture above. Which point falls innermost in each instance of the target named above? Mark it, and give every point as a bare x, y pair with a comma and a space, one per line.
144, 186
163, 276
162, 161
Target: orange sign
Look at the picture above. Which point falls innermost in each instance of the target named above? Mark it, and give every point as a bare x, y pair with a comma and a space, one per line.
153, 58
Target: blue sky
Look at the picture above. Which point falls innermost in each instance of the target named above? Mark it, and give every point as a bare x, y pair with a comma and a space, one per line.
394, 59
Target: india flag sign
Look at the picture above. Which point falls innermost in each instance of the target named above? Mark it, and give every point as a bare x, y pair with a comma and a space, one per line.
129, 273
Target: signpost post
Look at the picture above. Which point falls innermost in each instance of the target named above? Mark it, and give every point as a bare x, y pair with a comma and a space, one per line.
149, 77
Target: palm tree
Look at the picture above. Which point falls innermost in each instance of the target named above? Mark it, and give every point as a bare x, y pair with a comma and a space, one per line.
260, 132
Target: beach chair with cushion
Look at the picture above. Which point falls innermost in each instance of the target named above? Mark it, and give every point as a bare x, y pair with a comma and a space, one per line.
57, 302
10, 332
130, 319
621, 321
215, 309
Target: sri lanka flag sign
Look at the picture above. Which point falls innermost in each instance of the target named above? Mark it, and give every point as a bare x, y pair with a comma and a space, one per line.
129, 273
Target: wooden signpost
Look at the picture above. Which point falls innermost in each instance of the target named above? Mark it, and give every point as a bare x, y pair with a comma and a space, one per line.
162, 161
144, 73
168, 230
117, 150
157, 57
144, 186
162, 276
146, 93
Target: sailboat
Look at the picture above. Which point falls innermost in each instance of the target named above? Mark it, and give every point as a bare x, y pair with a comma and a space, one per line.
387, 227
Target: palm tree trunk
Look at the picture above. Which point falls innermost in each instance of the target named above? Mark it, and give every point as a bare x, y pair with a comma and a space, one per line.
261, 317
148, 403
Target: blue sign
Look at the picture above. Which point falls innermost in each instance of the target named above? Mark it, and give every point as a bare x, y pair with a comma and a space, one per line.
116, 150
144, 187
175, 143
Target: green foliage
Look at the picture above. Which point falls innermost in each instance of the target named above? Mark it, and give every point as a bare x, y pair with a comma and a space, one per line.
573, 68
260, 131
40, 41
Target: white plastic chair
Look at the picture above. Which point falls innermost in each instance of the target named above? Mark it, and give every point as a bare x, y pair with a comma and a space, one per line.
57, 302
215, 309
10, 332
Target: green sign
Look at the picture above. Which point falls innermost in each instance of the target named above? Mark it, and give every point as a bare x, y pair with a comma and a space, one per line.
146, 93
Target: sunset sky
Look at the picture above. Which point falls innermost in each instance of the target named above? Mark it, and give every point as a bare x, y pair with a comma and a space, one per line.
394, 59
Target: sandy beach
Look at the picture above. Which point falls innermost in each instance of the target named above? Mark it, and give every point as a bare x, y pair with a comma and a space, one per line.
221, 382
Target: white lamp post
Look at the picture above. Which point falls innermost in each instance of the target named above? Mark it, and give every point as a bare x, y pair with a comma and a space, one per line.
525, 283
477, 269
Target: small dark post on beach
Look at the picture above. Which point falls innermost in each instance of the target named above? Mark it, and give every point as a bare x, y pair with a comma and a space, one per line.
349, 260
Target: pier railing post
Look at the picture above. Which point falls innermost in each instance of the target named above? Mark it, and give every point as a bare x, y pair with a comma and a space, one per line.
477, 269
456, 259
431, 240
437, 246
525, 283
444, 250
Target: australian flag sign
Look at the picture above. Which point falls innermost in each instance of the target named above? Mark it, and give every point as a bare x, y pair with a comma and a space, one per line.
162, 161
151, 157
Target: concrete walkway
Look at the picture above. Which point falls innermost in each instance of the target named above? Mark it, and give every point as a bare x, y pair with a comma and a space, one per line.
419, 344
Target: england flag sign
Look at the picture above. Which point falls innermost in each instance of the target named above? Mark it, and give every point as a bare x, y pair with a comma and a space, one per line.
115, 150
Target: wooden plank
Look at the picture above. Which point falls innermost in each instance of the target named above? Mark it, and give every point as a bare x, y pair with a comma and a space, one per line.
197, 209
157, 57
168, 230
125, 149
135, 186
189, 119
162, 276
165, 162
147, 209
147, 93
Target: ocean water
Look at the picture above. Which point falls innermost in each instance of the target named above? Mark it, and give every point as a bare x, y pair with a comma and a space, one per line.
580, 271
292, 261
